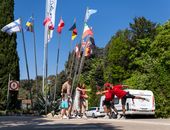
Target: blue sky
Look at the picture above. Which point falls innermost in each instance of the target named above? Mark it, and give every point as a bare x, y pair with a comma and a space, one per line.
112, 16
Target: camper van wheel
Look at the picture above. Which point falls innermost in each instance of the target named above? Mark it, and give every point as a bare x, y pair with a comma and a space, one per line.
93, 115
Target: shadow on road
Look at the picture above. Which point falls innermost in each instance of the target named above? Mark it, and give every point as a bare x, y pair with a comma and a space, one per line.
37, 123
140, 117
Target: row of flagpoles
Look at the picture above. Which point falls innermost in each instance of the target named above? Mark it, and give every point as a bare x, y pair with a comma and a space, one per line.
49, 23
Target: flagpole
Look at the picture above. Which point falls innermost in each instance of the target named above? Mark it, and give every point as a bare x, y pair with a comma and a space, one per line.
72, 62
83, 56
58, 53
80, 53
75, 72
8, 91
81, 63
71, 42
35, 58
46, 71
25, 54
44, 82
45, 46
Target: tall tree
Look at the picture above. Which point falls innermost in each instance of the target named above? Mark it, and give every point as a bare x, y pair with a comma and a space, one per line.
9, 61
142, 28
117, 57
143, 33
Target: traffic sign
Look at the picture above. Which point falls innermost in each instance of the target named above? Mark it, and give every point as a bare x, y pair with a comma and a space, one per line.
14, 85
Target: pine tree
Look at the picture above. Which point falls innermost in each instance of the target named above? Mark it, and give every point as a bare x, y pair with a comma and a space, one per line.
9, 61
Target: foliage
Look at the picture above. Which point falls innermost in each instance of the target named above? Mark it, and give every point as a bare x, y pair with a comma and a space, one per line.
9, 61
93, 78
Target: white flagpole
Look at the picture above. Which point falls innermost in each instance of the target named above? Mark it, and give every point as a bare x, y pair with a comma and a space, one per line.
49, 12
45, 48
45, 55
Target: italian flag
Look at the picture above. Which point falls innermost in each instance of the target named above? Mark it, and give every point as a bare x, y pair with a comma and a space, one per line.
87, 31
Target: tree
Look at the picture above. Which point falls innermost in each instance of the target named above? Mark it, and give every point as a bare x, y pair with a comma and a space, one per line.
117, 57
160, 54
143, 33
142, 28
8, 54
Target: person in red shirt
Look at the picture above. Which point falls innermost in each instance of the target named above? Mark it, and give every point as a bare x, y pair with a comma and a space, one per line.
123, 95
108, 99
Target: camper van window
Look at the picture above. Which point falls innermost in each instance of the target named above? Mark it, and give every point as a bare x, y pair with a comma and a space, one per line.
116, 100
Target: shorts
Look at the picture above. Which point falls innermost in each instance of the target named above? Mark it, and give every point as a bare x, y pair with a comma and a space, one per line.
82, 100
127, 96
107, 103
64, 104
112, 105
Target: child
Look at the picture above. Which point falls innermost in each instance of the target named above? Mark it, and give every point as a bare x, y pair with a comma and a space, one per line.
64, 106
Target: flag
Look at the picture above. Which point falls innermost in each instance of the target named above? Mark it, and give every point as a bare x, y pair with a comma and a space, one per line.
74, 34
29, 24
60, 26
72, 27
77, 51
91, 39
89, 12
74, 31
83, 44
87, 31
12, 27
50, 17
47, 21
87, 51
51, 26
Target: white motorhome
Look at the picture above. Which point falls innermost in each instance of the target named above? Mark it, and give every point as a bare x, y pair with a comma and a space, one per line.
136, 106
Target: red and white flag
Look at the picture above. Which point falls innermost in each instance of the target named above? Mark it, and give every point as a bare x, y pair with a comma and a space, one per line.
47, 21
60, 26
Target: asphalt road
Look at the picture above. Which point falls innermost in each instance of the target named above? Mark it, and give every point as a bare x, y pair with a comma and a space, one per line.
40, 123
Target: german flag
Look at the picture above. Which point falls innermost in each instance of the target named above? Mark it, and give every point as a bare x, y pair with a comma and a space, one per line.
74, 31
